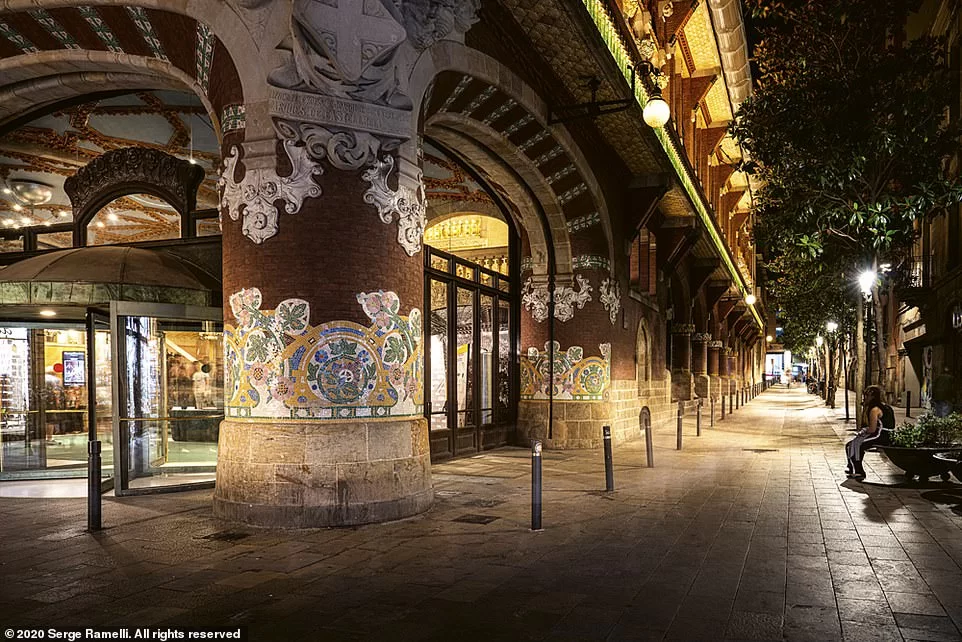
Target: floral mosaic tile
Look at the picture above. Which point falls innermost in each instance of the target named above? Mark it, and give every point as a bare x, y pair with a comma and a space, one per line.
280, 366
576, 377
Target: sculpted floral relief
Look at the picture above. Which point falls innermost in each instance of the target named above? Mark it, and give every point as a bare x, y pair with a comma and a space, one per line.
611, 298
534, 298
279, 366
576, 377
254, 196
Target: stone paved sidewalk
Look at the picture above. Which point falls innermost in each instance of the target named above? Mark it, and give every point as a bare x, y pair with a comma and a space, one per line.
750, 533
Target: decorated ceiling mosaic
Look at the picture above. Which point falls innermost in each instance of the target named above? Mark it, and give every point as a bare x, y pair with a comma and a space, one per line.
445, 181
53, 147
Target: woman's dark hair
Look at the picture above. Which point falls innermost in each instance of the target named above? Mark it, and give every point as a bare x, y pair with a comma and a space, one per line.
874, 394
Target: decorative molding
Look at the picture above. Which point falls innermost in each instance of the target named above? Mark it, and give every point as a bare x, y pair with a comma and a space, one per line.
534, 298
278, 366
576, 377
233, 118
610, 295
346, 150
349, 48
260, 188
591, 262
716, 345
124, 171
409, 205
567, 298
701, 337
583, 222
682, 328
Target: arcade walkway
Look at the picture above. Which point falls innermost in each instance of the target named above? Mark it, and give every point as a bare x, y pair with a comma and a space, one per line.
750, 533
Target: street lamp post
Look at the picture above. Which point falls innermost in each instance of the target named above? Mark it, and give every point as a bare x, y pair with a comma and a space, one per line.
831, 327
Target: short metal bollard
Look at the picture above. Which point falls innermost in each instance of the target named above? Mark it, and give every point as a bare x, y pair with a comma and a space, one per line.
536, 485
711, 422
681, 419
609, 465
649, 447
94, 507
723, 407
698, 419
908, 403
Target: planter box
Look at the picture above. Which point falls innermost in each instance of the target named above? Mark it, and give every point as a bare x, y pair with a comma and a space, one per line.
923, 462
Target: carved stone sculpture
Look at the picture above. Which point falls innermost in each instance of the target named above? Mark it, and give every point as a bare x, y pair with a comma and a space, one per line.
610, 292
348, 48
409, 205
254, 196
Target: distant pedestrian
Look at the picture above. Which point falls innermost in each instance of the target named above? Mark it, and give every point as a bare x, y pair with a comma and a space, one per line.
878, 420
943, 391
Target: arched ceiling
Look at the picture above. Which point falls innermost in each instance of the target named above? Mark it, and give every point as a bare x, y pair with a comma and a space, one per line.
52, 148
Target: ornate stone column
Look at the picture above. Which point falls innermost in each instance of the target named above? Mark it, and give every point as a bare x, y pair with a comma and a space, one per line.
681, 376
714, 372
699, 363
322, 234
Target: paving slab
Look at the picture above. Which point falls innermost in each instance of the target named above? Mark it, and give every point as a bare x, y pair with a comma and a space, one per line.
752, 532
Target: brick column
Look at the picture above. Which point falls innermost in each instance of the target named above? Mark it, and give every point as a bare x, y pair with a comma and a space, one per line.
699, 363
714, 372
681, 377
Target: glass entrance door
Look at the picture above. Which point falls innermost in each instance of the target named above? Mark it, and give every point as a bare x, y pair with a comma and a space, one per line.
100, 402
170, 395
471, 339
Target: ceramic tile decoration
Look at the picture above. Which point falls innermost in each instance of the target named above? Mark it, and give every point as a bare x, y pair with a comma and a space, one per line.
54, 28
101, 29
278, 366
233, 117
16, 39
591, 262
146, 28
584, 222
204, 54
576, 377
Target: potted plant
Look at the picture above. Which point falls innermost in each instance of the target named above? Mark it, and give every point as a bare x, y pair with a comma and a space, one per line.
928, 447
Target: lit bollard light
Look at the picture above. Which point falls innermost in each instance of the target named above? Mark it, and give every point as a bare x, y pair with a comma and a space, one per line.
609, 465
536, 485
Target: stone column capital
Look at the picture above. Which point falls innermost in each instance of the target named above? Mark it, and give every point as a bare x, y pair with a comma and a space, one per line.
701, 337
715, 345
683, 328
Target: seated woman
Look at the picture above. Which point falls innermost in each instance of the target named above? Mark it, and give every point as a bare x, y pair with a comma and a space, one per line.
880, 419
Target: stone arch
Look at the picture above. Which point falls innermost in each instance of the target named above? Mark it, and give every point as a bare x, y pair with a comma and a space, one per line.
643, 357
220, 47
501, 96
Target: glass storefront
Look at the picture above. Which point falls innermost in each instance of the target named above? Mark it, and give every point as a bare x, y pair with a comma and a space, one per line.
171, 400
160, 368
44, 397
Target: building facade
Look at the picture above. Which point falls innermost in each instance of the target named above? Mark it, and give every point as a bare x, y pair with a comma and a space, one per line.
444, 226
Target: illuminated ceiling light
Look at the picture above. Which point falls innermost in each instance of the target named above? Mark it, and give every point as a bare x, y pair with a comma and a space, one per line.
831, 326
64, 213
866, 280
111, 217
48, 223
101, 224
8, 222
31, 192
7, 190
17, 207
656, 112
48, 313
769, 338
192, 161
25, 220
819, 341
750, 299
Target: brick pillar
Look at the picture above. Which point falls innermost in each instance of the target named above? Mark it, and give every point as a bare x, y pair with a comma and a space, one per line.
699, 363
681, 377
714, 372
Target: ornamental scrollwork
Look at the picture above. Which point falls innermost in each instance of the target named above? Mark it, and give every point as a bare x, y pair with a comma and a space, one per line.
409, 204
345, 149
610, 295
255, 195
534, 298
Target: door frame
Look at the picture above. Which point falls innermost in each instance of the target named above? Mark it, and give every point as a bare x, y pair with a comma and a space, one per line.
168, 311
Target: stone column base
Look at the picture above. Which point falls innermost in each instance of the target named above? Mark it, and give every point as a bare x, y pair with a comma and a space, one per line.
682, 386
702, 385
576, 424
715, 386
281, 474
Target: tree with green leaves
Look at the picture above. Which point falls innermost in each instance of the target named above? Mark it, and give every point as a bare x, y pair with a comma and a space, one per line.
847, 130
